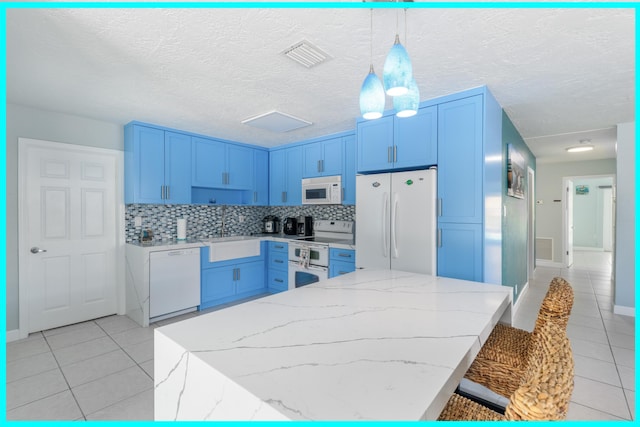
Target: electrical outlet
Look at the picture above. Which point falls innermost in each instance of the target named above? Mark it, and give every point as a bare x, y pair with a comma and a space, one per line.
240, 219
138, 221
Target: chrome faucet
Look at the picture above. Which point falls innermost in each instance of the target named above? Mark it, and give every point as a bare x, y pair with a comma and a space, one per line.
224, 209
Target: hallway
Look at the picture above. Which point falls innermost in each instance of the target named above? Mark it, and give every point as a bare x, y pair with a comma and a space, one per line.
603, 343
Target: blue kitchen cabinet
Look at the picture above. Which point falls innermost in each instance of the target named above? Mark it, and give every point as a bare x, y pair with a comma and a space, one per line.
156, 165
460, 160
285, 177
394, 143
277, 266
217, 286
240, 167
227, 281
341, 261
323, 158
349, 170
375, 144
260, 178
460, 251
217, 164
208, 164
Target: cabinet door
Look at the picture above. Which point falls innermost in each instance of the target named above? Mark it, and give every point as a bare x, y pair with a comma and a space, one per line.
277, 177
312, 158
460, 251
147, 167
332, 157
177, 168
460, 157
375, 144
250, 277
416, 139
349, 170
277, 280
260, 178
294, 176
239, 170
207, 163
217, 284
338, 268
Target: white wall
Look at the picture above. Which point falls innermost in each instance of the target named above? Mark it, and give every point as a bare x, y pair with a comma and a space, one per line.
51, 126
588, 213
549, 188
625, 273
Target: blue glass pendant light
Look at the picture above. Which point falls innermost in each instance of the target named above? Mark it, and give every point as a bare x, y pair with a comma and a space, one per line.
397, 73
372, 98
407, 105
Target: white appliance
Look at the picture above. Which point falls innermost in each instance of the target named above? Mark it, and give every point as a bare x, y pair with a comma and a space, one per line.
324, 190
396, 217
174, 282
309, 257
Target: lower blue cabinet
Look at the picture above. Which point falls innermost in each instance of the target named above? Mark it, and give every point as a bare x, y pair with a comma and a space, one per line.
227, 281
278, 267
341, 261
460, 251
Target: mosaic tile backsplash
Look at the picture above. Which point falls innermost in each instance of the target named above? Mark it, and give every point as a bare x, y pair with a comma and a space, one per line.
207, 221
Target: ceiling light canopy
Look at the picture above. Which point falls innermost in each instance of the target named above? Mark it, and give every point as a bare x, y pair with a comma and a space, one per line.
583, 146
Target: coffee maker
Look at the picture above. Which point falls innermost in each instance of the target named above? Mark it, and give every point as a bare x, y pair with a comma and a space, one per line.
305, 226
290, 226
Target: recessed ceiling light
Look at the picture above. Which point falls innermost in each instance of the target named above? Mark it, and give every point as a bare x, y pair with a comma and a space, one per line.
581, 147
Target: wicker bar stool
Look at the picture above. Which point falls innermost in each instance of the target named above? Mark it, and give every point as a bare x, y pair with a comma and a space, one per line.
502, 360
545, 390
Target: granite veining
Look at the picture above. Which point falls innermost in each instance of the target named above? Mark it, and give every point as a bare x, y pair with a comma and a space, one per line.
369, 345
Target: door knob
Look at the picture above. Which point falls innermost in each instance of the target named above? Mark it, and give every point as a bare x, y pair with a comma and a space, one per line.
37, 250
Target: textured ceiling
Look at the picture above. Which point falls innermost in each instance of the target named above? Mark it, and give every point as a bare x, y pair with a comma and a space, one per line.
561, 74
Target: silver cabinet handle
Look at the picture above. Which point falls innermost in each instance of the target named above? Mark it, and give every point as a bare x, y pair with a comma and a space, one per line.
278, 280
284, 196
395, 153
439, 237
37, 250
439, 206
168, 193
389, 154
319, 167
162, 192
255, 196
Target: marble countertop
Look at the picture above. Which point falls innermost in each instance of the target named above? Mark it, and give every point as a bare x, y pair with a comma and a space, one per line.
369, 345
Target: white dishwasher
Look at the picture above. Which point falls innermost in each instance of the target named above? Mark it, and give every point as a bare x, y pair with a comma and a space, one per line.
174, 282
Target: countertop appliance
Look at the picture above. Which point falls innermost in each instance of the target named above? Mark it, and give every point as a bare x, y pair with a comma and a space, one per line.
290, 226
271, 224
174, 282
309, 258
396, 217
305, 226
324, 190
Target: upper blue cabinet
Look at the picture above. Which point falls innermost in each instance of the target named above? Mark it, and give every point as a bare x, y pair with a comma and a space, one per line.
392, 143
285, 176
157, 166
219, 164
323, 158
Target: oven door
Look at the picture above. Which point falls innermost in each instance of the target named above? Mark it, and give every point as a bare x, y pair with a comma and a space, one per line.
301, 276
318, 254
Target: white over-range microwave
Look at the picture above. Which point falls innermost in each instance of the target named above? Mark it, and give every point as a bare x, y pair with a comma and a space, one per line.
324, 190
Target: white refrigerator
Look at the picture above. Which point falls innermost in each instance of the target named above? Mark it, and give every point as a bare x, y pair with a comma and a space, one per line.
396, 221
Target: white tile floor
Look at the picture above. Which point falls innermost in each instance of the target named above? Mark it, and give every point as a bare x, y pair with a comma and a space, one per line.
103, 369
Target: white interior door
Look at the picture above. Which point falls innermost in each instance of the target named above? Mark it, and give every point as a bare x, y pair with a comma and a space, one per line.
607, 220
68, 236
568, 215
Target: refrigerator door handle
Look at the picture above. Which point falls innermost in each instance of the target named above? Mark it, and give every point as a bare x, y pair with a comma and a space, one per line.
385, 224
394, 226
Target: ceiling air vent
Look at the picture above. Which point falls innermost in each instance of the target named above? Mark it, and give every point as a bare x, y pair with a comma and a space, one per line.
306, 54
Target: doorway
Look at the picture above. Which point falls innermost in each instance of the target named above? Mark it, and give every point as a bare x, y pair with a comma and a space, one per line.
588, 215
70, 250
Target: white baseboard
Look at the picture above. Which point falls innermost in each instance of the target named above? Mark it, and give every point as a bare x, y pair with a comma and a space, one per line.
546, 263
13, 335
624, 311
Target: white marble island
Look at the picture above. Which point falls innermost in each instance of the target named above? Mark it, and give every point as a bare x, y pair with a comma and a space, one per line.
370, 345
